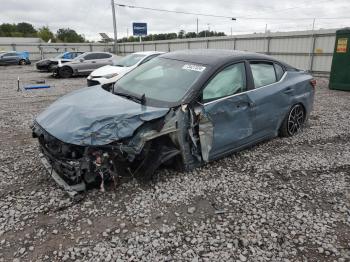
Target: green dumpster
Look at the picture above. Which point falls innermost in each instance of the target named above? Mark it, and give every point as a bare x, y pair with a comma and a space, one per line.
340, 72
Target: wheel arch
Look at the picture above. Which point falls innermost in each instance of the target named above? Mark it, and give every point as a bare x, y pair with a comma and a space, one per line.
280, 126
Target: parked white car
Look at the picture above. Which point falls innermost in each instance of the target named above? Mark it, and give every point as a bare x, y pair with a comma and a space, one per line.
108, 75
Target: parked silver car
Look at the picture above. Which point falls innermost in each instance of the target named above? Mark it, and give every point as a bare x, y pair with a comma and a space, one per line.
83, 64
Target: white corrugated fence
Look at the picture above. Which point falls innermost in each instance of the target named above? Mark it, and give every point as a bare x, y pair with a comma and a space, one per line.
308, 50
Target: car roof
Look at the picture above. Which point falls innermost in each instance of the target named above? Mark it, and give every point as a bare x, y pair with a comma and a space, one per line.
214, 57
149, 52
96, 52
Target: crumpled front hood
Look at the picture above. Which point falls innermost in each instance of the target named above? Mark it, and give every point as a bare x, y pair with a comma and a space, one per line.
108, 69
93, 116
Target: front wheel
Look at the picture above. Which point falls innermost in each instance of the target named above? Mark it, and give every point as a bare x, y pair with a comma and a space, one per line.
65, 72
294, 121
22, 62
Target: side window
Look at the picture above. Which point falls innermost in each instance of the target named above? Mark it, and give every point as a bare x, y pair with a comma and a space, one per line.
94, 56
74, 55
279, 71
104, 56
230, 81
263, 73
68, 56
90, 57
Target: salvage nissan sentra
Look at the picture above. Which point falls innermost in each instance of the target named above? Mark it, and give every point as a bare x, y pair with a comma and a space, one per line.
183, 109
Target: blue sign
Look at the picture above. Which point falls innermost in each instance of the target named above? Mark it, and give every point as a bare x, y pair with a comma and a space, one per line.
139, 29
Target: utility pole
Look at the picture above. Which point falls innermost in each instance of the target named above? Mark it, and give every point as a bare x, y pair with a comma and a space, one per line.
115, 46
197, 26
233, 19
207, 35
312, 45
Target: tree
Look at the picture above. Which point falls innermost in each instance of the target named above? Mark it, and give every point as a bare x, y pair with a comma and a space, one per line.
182, 34
191, 35
69, 36
26, 29
8, 29
45, 34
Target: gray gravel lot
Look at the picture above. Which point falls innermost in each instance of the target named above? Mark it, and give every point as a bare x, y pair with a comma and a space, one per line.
283, 200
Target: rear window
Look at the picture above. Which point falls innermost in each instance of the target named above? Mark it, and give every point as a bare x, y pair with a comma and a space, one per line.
104, 56
263, 73
279, 72
97, 56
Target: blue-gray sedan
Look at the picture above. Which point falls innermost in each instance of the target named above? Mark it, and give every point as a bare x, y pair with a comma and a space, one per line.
181, 109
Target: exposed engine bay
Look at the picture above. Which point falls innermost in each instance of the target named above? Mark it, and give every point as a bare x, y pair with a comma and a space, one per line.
175, 139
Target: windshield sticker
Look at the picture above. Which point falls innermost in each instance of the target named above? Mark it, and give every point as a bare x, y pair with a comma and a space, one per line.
194, 68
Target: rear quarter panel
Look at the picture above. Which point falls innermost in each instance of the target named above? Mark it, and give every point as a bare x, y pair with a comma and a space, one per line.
273, 102
303, 92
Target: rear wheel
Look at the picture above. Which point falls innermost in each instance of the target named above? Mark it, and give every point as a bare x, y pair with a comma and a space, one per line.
294, 121
65, 72
22, 62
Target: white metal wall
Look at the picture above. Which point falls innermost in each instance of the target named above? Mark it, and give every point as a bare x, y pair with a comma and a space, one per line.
308, 50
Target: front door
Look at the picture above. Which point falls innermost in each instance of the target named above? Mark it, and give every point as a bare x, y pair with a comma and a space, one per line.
227, 111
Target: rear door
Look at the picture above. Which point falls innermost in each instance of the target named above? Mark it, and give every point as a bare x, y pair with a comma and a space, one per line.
104, 59
227, 111
89, 63
10, 58
271, 97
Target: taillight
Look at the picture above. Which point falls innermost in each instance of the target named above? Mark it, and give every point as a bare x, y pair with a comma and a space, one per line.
313, 82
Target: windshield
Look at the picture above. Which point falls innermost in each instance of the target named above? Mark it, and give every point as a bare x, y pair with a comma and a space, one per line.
59, 56
129, 60
160, 80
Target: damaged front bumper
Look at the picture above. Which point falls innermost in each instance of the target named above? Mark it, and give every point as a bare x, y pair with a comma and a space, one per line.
72, 190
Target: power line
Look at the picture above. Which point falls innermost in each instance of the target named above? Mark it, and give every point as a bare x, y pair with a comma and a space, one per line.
173, 11
229, 17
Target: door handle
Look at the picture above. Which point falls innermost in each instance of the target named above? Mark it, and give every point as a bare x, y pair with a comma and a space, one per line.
288, 90
251, 104
245, 104
94, 62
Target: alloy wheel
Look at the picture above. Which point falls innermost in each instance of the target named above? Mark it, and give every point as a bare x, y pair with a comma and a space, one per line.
296, 119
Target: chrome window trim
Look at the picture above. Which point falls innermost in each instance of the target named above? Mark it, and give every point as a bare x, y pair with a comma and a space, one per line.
248, 91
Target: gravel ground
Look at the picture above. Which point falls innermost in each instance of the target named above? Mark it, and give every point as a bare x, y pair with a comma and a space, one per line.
283, 200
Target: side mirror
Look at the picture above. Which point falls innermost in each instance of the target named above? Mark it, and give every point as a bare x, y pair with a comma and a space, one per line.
81, 60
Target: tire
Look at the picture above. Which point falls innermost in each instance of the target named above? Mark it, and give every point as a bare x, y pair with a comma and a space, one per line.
22, 62
294, 121
65, 72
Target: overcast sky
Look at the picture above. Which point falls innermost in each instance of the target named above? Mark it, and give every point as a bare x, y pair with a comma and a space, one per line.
90, 17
